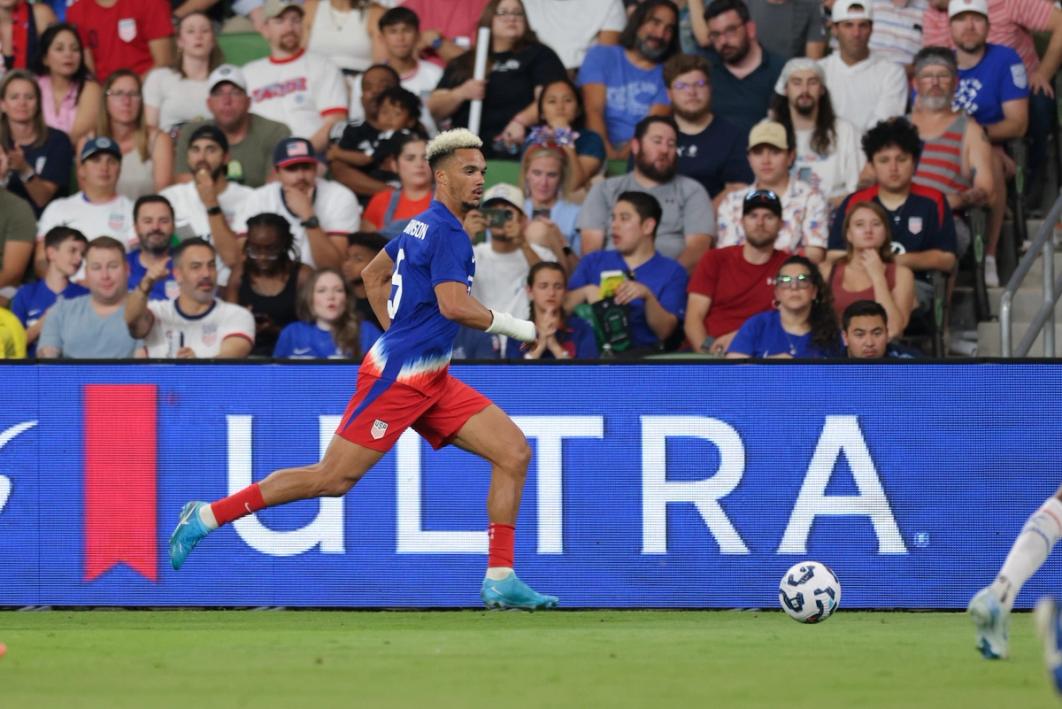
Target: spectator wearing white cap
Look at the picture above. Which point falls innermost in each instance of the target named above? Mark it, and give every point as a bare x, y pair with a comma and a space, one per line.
865, 88
302, 89
804, 212
506, 257
321, 212
827, 147
98, 210
251, 137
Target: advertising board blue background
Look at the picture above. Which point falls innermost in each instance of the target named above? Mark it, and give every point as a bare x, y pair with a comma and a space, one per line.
962, 454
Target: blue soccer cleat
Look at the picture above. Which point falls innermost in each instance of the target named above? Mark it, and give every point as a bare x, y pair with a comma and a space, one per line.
991, 620
511, 592
188, 532
1047, 624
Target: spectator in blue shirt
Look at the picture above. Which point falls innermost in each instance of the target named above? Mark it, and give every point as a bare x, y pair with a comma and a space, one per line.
622, 84
801, 326
327, 327
64, 248
153, 221
558, 337
652, 287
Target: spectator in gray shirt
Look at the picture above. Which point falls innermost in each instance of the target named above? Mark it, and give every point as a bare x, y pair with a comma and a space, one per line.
93, 326
688, 225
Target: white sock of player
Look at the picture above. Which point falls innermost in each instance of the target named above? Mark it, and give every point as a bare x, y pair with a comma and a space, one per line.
498, 573
1029, 552
206, 516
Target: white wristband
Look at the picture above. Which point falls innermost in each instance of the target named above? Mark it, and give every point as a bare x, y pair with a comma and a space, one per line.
506, 324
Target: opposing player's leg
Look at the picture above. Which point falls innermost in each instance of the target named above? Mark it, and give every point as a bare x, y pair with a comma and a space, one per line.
492, 435
990, 607
1049, 627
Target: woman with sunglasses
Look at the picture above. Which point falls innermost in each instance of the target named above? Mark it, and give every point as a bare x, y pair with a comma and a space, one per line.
868, 270
802, 324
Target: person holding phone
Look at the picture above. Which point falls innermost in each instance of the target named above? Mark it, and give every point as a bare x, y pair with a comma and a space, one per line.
554, 219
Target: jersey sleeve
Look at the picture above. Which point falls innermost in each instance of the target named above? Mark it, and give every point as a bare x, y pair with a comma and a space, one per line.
450, 254
672, 296
238, 323
331, 92
157, 17
153, 87
585, 273
19, 306
250, 207
1015, 84
706, 275
51, 333
341, 213
744, 341
50, 217
594, 214
593, 70
284, 342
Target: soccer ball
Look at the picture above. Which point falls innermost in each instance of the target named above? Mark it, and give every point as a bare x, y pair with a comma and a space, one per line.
809, 592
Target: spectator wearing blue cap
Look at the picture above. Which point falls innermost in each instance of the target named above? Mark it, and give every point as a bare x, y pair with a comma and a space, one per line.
321, 212
97, 210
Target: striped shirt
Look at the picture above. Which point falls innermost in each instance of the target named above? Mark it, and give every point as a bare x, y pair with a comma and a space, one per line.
1011, 23
897, 34
941, 164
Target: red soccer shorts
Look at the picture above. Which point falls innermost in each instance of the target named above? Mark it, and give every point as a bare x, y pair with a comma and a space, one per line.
381, 410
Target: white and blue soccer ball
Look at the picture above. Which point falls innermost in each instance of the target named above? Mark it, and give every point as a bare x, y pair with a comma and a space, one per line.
809, 592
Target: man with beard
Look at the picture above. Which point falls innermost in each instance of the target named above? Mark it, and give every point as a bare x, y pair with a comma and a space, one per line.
687, 226
362, 247
828, 156
710, 149
956, 154
195, 324
153, 224
207, 206
733, 283
321, 212
743, 73
622, 84
865, 88
804, 209
250, 137
302, 89
786, 28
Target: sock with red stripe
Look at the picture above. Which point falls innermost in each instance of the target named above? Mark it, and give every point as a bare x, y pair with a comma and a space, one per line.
246, 501
502, 541
1030, 551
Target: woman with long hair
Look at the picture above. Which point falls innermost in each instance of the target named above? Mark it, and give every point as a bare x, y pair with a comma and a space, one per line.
389, 211
267, 279
147, 153
70, 97
39, 158
558, 337
543, 176
802, 325
346, 31
177, 93
868, 270
562, 122
327, 327
519, 67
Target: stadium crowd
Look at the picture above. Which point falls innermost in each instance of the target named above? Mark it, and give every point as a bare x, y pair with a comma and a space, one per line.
742, 178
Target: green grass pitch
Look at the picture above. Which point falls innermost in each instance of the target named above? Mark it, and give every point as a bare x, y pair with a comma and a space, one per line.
465, 659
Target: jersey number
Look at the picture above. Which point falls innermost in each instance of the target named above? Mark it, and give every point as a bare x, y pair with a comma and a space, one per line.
396, 286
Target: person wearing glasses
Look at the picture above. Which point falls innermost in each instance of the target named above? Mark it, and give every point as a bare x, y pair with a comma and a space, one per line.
802, 325
868, 270
733, 283
804, 212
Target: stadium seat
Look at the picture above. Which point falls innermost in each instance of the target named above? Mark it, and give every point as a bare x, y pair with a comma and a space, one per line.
499, 171
616, 167
243, 47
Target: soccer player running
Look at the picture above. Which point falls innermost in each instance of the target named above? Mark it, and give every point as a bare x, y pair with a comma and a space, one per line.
990, 607
418, 286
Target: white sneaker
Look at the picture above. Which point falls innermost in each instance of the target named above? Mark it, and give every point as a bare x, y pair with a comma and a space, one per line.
991, 272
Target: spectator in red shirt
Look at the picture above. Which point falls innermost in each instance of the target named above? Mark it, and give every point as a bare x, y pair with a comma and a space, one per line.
21, 26
448, 29
117, 34
731, 284
388, 212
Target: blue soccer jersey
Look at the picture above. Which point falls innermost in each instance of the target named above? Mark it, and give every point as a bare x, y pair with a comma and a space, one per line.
166, 289
33, 300
984, 88
416, 349
304, 340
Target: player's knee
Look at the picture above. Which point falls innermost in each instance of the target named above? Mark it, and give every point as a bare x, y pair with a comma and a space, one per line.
331, 482
518, 456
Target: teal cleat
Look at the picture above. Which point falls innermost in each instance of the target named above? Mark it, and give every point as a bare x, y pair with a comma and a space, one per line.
188, 532
511, 592
991, 620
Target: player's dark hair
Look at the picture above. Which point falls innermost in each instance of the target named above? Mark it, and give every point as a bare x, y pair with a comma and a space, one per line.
645, 205
189, 243
404, 99
640, 15
58, 234
822, 319
345, 329
535, 270
718, 7
643, 125
151, 199
399, 16
368, 239
893, 132
863, 309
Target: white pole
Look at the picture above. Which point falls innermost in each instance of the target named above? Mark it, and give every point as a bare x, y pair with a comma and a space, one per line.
475, 111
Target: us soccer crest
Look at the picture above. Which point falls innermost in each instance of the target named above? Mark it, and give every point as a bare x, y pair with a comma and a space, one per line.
914, 225
210, 335
127, 29
379, 429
